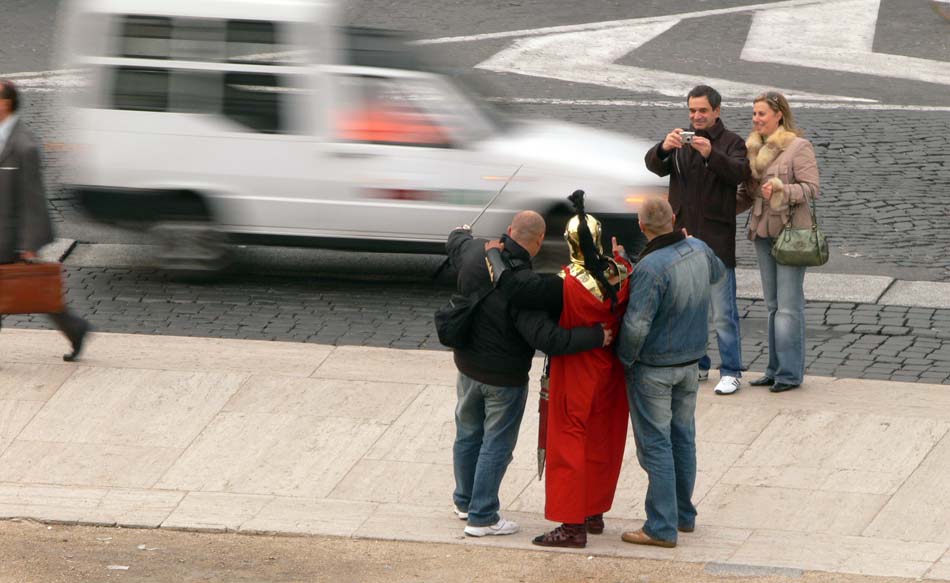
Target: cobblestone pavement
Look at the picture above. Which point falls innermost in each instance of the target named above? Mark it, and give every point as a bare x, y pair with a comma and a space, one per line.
844, 339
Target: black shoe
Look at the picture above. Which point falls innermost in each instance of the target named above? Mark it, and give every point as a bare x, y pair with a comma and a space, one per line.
77, 342
763, 381
595, 524
570, 536
781, 387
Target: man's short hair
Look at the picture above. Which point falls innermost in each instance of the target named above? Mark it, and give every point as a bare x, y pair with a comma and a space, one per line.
527, 225
715, 100
8, 91
656, 214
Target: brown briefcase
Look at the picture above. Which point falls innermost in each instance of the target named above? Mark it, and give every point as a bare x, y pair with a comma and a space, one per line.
31, 288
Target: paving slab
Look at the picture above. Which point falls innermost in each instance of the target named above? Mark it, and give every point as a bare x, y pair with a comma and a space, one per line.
844, 554
215, 511
926, 294
143, 351
148, 408
822, 287
280, 454
920, 510
308, 516
385, 364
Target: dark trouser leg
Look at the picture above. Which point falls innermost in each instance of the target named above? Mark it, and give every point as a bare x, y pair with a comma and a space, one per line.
74, 328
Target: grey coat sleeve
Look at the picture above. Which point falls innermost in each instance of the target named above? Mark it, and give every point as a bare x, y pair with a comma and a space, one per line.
34, 228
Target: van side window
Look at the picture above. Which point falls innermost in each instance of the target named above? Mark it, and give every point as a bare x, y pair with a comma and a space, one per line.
380, 111
254, 42
146, 37
140, 89
254, 101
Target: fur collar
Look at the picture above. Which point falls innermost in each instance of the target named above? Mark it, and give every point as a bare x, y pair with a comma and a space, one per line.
764, 152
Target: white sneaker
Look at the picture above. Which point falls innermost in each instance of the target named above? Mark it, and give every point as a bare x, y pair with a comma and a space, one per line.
727, 385
703, 375
501, 527
459, 513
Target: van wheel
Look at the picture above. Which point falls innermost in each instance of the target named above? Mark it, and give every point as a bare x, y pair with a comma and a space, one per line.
191, 249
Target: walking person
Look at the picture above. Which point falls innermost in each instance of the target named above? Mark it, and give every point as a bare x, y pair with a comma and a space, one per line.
663, 336
705, 170
25, 225
493, 368
784, 178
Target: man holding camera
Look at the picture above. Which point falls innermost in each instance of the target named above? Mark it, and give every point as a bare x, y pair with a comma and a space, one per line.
706, 164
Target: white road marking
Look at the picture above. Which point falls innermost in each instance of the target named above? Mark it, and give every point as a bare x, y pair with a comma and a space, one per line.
47, 81
836, 36
588, 57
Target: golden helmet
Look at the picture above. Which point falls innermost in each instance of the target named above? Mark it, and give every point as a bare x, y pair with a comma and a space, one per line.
574, 241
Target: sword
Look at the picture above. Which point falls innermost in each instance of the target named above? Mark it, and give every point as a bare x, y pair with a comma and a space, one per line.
445, 263
497, 194
543, 417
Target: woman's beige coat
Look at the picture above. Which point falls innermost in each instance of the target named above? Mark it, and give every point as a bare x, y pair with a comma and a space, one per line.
788, 162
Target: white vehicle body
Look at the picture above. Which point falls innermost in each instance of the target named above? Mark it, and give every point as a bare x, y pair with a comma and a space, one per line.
228, 113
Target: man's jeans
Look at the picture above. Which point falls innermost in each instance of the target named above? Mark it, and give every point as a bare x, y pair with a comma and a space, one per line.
487, 419
783, 288
662, 408
726, 323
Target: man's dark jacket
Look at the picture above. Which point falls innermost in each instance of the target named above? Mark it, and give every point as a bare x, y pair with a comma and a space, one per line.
24, 218
504, 338
703, 192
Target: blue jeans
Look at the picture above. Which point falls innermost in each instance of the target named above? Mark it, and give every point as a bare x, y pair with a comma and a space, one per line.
662, 408
487, 419
783, 288
726, 323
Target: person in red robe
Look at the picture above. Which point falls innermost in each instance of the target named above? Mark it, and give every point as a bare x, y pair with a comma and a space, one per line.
587, 409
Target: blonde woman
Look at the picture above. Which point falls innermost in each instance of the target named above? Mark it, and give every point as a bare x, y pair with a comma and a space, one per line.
784, 174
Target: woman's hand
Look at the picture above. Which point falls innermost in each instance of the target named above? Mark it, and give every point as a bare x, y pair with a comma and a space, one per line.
767, 191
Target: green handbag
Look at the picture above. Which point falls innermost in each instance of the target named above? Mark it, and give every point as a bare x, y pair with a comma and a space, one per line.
801, 247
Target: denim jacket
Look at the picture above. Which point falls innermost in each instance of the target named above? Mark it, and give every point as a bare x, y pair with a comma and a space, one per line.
666, 323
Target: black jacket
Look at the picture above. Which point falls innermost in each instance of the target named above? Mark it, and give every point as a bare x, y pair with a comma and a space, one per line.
703, 192
504, 338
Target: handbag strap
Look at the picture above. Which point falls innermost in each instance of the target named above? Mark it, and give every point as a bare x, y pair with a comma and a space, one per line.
811, 206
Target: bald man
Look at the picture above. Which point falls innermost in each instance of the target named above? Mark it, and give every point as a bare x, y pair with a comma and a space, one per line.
493, 366
662, 339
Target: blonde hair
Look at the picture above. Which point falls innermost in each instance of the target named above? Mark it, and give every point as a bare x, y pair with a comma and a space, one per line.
777, 103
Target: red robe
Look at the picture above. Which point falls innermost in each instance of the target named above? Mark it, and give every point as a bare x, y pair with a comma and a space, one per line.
587, 413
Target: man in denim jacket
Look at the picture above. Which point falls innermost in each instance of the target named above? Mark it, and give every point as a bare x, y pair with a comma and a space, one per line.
663, 337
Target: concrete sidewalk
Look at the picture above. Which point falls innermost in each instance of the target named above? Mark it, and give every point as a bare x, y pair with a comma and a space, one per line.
156, 431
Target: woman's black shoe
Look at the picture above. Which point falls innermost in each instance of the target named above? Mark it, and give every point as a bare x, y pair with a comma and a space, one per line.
781, 387
764, 381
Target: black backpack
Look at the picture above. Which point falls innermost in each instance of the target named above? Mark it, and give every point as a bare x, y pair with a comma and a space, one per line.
453, 321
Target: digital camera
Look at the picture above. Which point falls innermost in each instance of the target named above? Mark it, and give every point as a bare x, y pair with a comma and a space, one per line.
687, 137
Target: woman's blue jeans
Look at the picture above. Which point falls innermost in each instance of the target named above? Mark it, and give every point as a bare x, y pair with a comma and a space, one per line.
487, 420
783, 288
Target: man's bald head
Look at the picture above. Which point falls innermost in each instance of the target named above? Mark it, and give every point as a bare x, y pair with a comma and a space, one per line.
656, 217
527, 229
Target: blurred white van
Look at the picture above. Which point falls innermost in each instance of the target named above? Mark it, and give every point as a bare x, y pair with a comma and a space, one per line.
240, 121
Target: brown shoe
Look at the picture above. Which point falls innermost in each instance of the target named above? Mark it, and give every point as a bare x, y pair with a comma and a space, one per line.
595, 524
686, 528
638, 537
571, 536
